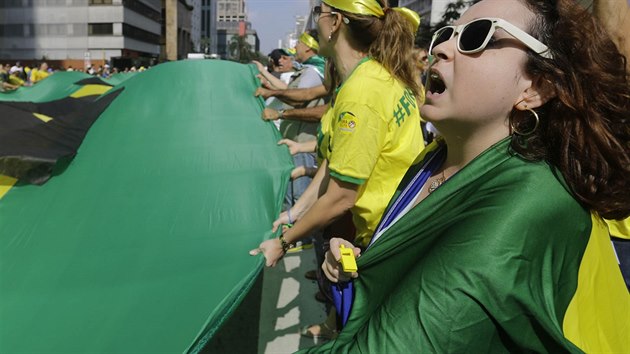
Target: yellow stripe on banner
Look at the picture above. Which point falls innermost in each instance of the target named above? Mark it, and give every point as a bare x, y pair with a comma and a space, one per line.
6, 183
90, 90
619, 228
43, 117
598, 317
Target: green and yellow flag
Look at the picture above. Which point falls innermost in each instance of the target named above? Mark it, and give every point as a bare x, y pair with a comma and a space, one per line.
501, 258
140, 244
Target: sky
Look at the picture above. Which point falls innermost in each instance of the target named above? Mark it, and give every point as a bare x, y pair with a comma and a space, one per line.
273, 19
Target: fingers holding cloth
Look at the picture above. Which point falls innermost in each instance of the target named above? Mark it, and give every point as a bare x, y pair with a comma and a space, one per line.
273, 249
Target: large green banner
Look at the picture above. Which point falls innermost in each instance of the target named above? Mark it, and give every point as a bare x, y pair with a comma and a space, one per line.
56, 86
140, 244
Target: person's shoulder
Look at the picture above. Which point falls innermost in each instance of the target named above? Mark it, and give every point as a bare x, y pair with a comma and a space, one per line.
305, 77
307, 68
312, 73
374, 71
538, 177
532, 194
520, 208
371, 80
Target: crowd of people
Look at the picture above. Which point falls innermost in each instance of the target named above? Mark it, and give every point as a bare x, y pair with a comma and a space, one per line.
13, 77
472, 204
16, 76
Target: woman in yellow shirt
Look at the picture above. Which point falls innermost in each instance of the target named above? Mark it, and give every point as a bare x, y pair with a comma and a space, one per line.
371, 133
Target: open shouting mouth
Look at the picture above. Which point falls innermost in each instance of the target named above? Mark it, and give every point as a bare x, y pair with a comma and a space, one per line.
435, 83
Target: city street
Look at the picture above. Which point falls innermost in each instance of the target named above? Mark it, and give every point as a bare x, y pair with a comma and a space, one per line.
278, 305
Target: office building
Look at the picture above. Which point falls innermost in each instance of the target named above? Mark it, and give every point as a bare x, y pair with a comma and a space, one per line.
80, 33
208, 38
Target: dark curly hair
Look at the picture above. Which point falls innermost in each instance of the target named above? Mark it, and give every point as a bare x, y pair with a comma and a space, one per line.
584, 131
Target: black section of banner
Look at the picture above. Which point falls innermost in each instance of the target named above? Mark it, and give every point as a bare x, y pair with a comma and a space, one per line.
31, 148
92, 81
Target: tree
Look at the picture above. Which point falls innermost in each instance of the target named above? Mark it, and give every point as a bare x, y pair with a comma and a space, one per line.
451, 14
239, 50
262, 58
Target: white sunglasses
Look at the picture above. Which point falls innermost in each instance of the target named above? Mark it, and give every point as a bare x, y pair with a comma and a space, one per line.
475, 35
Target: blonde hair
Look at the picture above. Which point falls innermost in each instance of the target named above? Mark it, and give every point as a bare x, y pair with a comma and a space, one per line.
388, 40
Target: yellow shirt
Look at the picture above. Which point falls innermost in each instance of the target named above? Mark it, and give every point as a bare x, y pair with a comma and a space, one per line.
370, 136
15, 80
38, 75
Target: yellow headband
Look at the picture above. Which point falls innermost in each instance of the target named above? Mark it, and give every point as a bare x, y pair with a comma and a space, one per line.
411, 16
309, 41
359, 7
373, 8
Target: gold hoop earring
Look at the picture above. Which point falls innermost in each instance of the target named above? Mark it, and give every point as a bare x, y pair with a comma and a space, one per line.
537, 121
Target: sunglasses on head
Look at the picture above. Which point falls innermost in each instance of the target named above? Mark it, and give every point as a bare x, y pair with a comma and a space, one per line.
475, 35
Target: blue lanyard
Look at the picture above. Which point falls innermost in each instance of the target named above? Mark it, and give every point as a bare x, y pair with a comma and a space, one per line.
343, 293
408, 195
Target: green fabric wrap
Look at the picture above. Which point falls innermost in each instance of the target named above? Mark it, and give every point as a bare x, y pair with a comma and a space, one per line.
141, 244
487, 263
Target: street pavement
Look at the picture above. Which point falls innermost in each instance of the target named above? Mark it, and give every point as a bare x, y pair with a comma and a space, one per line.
269, 319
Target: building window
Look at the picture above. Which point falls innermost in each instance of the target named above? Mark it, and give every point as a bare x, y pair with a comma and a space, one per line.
100, 2
143, 9
16, 30
140, 34
100, 29
11, 3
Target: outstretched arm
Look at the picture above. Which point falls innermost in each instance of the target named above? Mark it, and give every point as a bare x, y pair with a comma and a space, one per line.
267, 78
295, 147
294, 97
339, 197
308, 114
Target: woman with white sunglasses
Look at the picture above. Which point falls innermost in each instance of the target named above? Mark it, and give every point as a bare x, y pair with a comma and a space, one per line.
495, 240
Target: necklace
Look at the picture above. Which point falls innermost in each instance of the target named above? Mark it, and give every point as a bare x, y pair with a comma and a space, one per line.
436, 183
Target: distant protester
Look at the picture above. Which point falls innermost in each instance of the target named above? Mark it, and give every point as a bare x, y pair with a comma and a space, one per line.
311, 74
280, 66
40, 73
284, 65
5, 84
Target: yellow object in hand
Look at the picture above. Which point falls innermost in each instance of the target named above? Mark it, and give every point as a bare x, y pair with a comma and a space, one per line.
348, 262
